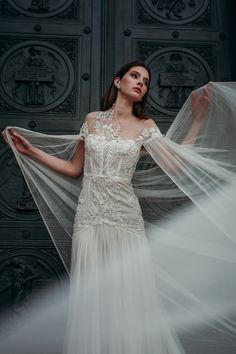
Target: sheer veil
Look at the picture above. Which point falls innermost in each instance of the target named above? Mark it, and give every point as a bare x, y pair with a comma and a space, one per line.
193, 245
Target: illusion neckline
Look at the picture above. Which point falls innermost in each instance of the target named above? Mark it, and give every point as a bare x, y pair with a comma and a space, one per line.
103, 137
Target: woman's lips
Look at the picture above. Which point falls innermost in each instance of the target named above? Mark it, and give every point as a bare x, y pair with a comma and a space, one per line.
137, 89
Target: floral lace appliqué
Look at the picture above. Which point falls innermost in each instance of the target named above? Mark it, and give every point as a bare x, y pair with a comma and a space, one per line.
105, 126
107, 195
109, 201
84, 130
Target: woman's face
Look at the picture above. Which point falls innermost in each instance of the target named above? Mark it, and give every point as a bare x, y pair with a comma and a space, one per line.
134, 84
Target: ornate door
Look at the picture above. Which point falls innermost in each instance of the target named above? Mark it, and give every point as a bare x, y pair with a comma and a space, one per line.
186, 43
49, 60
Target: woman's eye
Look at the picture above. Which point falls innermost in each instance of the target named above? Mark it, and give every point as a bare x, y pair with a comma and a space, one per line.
134, 75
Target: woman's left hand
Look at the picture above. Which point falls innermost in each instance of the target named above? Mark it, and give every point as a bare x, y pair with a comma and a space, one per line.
201, 103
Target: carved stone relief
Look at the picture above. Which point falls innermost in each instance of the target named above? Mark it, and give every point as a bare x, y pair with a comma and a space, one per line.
24, 272
36, 76
15, 198
176, 72
40, 8
174, 11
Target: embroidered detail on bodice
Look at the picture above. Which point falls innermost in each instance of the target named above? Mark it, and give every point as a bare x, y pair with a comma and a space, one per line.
107, 195
108, 200
105, 126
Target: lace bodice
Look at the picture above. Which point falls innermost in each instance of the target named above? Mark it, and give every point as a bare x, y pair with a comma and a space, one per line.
107, 151
110, 161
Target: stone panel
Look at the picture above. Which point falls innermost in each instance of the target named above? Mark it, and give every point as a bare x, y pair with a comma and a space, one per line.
176, 72
25, 272
64, 9
16, 201
173, 12
36, 76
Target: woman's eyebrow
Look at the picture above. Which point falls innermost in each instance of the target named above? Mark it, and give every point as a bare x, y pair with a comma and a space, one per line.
136, 72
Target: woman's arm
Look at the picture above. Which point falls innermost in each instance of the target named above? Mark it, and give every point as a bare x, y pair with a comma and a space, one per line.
71, 168
165, 159
200, 106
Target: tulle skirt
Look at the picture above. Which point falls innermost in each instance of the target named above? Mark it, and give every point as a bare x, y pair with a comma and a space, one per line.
114, 305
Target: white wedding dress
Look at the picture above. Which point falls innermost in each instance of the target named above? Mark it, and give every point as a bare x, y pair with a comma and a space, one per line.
119, 312
132, 286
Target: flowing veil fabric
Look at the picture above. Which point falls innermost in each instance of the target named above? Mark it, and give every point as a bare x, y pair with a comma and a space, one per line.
195, 258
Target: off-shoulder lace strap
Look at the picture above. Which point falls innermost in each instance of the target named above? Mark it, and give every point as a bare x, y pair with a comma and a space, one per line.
102, 124
89, 124
84, 130
99, 123
148, 134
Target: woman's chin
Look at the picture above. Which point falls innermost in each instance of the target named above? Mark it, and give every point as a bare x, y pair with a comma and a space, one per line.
135, 98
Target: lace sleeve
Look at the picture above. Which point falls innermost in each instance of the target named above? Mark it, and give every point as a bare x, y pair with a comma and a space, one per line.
148, 134
84, 130
89, 124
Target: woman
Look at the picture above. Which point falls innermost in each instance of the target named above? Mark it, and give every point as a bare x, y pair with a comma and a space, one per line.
115, 304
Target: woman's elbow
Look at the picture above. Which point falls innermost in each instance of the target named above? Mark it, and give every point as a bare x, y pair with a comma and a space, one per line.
75, 174
76, 166
73, 170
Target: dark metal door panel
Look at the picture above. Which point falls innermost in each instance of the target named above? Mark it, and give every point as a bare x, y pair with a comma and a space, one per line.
186, 44
48, 62
49, 80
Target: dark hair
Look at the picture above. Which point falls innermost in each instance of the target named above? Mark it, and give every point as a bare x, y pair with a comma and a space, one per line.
139, 108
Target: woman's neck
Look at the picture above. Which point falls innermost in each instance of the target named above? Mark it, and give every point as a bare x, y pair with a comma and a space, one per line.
123, 107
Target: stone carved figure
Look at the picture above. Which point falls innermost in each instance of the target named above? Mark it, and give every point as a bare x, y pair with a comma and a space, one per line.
34, 73
177, 94
173, 8
20, 277
34, 89
176, 79
36, 77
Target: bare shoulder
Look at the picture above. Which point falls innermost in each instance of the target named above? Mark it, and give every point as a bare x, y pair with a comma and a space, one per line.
149, 123
91, 116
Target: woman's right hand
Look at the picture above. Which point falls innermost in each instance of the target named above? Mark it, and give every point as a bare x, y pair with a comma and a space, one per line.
21, 144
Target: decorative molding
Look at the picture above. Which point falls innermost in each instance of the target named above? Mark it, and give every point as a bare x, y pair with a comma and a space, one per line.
15, 198
175, 12
176, 72
108, 34
208, 18
38, 76
24, 272
63, 9
143, 49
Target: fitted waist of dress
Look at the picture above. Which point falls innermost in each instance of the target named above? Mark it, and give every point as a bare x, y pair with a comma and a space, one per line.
107, 176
